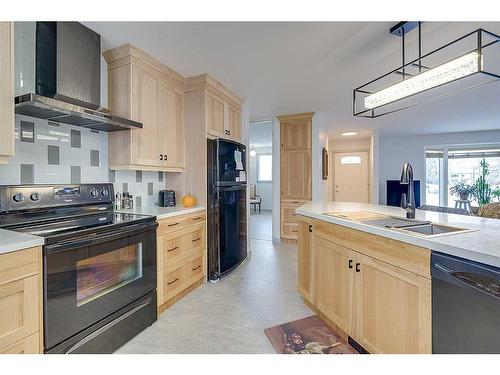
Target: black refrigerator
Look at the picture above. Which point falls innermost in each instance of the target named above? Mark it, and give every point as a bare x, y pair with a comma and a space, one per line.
226, 206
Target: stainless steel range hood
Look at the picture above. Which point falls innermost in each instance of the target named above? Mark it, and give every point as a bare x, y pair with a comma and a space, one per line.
65, 75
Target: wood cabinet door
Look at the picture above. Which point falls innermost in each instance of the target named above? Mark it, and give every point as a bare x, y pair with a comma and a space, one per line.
296, 135
393, 308
234, 123
6, 91
174, 137
27, 345
146, 99
305, 243
333, 282
296, 174
215, 115
19, 310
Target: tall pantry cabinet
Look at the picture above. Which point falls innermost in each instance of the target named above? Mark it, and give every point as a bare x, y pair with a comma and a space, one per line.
295, 170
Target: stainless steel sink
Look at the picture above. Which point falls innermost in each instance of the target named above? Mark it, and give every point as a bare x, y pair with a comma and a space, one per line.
432, 229
394, 222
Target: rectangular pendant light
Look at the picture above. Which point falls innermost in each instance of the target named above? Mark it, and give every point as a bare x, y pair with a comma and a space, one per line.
450, 71
470, 61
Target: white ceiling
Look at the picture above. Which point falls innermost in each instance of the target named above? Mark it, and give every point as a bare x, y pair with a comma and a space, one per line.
261, 134
291, 67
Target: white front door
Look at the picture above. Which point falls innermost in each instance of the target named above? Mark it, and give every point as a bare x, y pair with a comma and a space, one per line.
351, 177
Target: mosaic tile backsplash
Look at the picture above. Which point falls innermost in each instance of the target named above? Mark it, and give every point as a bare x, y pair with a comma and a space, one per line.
52, 153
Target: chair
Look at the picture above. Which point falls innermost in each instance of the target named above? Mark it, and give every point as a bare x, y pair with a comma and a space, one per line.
255, 200
447, 210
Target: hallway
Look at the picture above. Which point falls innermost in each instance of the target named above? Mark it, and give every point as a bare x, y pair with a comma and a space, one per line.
261, 225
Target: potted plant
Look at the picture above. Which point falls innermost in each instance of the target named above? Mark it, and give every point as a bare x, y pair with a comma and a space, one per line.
496, 193
483, 188
463, 191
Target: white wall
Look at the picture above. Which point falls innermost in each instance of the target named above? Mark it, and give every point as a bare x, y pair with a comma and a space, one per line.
276, 179
320, 188
264, 189
394, 151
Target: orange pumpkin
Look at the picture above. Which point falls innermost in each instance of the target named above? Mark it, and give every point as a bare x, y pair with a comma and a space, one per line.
188, 200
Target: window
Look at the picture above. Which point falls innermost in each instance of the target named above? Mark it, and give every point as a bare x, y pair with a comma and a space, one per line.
265, 168
445, 167
350, 160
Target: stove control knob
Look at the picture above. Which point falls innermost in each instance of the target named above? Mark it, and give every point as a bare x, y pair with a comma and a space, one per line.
35, 197
19, 197
104, 192
94, 193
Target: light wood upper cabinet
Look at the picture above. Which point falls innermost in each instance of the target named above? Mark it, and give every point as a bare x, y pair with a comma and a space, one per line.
234, 123
215, 115
175, 132
393, 308
149, 92
296, 174
334, 289
222, 108
296, 131
7, 116
148, 150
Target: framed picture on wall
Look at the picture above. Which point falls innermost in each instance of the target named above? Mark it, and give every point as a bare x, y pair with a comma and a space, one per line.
324, 164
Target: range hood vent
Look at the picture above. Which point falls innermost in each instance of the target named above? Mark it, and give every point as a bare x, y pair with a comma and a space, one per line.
67, 79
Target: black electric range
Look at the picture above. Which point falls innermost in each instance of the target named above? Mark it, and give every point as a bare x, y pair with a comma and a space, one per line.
99, 266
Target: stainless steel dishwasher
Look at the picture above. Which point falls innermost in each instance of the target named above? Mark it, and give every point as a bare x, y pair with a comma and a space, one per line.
465, 306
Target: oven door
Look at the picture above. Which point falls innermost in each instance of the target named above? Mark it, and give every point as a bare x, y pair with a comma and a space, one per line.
91, 277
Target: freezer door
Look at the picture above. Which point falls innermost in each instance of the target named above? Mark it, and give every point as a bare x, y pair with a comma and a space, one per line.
232, 227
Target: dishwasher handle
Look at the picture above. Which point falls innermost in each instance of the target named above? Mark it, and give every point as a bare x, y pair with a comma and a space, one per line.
467, 274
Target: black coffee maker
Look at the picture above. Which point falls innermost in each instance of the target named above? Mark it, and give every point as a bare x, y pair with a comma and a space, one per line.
166, 198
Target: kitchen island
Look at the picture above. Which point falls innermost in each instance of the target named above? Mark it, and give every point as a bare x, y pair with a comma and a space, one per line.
372, 283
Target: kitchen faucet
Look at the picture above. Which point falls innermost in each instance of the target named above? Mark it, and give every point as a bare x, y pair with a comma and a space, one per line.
408, 200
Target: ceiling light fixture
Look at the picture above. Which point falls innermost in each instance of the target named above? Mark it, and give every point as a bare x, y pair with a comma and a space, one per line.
470, 61
348, 134
253, 153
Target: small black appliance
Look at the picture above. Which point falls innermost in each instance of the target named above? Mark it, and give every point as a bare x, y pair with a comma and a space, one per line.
166, 198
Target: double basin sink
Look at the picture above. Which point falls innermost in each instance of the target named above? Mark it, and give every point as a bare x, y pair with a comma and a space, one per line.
412, 226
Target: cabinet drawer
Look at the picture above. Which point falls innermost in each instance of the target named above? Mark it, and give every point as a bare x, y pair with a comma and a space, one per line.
171, 281
19, 309
180, 278
19, 264
179, 245
27, 345
194, 268
289, 230
173, 224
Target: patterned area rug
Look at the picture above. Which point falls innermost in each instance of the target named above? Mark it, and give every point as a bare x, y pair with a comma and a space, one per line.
307, 336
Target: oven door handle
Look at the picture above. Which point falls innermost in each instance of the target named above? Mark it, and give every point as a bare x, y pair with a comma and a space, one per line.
99, 238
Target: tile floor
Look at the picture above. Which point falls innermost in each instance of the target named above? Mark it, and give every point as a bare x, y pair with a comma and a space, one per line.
230, 317
261, 225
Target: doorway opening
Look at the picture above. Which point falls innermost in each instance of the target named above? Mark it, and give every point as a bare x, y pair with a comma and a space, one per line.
260, 179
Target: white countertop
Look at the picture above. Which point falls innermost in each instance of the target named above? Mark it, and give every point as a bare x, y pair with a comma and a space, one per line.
163, 212
12, 241
481, 244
